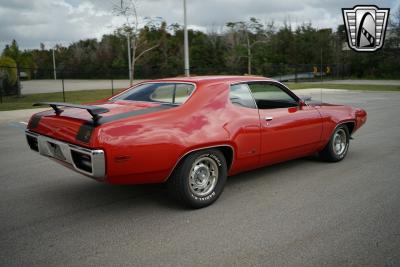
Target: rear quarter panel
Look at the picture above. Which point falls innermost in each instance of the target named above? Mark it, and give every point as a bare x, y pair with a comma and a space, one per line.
145, 149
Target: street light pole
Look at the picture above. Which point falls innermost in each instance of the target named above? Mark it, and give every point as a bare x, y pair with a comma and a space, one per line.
54, 65
186, 42
129, 58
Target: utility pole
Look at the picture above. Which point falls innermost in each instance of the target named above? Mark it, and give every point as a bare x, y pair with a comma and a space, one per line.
186, 42
321, 65
128, 36
54, 65
321, 73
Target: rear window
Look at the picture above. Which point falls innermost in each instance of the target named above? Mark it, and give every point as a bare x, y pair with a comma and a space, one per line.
170, 93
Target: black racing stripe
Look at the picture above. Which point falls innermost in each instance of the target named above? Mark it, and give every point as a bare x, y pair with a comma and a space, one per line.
103, 120
86, 129
34, 121
84, 133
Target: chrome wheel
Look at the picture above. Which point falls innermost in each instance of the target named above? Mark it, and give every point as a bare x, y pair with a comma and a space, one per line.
339, 142
203, 176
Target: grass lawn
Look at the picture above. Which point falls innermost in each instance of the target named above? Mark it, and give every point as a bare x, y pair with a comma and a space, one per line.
25, 102
77, 97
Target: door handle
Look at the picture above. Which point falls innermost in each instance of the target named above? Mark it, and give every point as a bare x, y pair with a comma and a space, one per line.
268, 118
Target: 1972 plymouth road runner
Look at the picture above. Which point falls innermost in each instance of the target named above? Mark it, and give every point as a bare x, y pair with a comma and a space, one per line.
191, 132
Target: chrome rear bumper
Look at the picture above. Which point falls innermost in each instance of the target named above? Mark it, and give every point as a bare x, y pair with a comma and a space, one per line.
83, 160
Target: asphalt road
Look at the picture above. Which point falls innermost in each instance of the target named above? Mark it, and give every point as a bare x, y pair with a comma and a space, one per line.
358, 81
303, 212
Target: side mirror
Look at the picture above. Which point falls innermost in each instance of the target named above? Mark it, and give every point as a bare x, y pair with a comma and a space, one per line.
302, 103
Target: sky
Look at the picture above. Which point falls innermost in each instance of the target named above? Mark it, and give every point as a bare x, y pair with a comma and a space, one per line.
66, 21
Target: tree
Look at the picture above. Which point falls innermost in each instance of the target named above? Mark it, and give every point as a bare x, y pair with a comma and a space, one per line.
23, 60
12, 51
251, 33
8, 75
394, 29
127, 9
244, 47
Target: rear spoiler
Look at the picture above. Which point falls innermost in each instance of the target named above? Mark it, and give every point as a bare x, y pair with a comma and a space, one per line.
94, 111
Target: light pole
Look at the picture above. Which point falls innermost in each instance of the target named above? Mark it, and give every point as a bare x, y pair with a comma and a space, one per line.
186, 42
128, 36
54, 65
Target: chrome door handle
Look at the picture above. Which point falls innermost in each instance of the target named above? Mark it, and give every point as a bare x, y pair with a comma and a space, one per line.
268, 118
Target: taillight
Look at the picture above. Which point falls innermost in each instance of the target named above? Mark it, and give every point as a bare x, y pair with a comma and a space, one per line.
32, 142
82, 161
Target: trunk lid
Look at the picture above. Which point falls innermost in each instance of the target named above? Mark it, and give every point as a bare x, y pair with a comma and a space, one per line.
76, 125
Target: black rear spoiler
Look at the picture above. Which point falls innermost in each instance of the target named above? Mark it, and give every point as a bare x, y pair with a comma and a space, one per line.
94, 111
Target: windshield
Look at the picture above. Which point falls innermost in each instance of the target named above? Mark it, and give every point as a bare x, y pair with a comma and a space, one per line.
171, 93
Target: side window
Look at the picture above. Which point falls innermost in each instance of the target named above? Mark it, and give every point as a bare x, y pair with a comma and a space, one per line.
163, 93
172, 93
183, 91
269, 96
240, 95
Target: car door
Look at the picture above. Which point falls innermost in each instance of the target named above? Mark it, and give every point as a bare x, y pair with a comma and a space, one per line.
244, 126
288, 128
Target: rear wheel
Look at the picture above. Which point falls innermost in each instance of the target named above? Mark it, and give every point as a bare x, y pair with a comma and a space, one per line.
338, 145
199, 179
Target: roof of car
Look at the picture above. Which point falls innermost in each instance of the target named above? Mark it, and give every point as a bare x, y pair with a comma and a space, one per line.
214, 78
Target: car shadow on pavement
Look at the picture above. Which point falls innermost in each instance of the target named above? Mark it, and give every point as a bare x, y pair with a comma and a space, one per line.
89, 194
271, 170
74, 196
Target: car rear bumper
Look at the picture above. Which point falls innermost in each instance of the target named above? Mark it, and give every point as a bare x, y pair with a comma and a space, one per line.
86, 161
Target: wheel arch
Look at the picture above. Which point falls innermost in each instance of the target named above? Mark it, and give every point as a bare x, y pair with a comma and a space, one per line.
350, 125
326, 153
227, 150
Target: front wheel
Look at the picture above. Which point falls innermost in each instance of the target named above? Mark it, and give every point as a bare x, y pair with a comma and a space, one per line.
199, 179
338, 145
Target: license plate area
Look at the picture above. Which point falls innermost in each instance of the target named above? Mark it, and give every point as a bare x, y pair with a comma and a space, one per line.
83, 160
56, 151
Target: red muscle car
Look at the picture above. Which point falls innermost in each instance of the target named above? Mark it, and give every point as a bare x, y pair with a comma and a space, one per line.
191, 132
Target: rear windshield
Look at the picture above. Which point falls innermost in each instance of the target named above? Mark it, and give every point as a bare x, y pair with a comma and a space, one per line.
171, 93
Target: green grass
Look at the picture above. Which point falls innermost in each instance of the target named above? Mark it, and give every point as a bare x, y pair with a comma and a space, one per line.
358, 87
26, 101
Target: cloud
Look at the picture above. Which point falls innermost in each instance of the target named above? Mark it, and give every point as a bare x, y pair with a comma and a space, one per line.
65, 21
51, 22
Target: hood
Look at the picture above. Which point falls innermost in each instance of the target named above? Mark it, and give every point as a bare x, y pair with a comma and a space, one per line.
315, 103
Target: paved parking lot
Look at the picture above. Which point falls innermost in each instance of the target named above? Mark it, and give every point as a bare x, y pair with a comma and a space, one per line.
303, 212
375, 82
51, 86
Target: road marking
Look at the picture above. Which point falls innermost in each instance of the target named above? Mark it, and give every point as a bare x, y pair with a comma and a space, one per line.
23, 122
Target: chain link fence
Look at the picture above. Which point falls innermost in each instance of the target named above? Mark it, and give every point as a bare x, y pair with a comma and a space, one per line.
23, 81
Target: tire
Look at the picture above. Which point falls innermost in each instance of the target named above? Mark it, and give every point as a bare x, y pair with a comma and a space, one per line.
199, 178
338, 145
